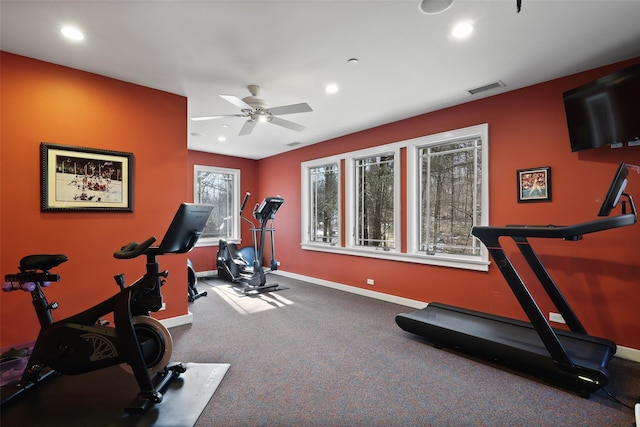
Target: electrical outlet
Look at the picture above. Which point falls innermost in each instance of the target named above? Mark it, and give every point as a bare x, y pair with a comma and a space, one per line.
371, 282
556, 317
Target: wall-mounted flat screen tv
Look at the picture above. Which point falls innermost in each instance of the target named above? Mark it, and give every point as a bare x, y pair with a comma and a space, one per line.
605, 111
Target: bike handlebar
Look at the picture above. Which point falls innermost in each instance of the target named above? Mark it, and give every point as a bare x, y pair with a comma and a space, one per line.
133, 249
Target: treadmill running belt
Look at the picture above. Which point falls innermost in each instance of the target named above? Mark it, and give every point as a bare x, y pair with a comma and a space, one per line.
513, 343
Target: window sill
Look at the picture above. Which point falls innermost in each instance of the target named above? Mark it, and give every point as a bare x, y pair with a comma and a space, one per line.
214, 242
442, 261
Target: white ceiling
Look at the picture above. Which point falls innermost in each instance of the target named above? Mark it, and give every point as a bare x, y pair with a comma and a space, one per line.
408, 63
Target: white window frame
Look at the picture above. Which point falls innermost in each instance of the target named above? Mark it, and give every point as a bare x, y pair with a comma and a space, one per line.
351, 197
413, 196
410, 210
306, 201
235, 227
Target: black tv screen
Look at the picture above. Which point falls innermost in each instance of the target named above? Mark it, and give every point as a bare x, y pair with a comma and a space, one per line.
605, 111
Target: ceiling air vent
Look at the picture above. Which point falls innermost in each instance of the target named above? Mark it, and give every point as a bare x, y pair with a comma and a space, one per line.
293, 144
486, 87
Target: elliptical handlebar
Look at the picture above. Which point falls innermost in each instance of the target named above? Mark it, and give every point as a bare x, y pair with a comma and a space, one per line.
133, 249
244, 202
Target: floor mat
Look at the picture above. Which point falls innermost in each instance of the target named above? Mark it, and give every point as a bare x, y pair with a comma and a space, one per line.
98, 399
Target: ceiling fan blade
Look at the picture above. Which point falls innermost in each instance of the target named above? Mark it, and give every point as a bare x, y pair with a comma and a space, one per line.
303, 107
287, 124
201, 118
237, 102
247, 128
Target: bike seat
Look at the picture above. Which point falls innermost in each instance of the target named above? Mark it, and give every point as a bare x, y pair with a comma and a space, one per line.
41, 262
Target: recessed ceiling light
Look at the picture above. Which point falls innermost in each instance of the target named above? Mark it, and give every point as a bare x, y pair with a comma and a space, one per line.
72, 33
352, 61
433, 7
462, 30
222, 138
331, 88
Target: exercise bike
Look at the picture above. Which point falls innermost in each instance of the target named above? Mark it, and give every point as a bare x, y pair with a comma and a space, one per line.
85, 342
232, 263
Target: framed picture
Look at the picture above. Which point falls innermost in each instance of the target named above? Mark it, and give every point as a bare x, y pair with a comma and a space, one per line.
80, 179
534, 185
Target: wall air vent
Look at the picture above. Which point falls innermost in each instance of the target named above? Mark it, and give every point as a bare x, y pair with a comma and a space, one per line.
486, 87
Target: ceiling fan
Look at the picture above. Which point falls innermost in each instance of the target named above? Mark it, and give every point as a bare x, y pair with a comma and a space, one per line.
257, 110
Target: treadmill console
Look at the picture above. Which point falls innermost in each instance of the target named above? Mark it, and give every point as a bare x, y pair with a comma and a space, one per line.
616, 191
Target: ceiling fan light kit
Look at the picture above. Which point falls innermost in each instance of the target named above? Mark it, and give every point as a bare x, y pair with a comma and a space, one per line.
256, 109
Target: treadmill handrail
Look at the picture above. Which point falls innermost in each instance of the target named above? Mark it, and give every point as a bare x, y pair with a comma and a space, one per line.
570, 232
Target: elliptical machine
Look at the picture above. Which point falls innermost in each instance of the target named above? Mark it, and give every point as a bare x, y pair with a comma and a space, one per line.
192, 280
83, 342
232, 262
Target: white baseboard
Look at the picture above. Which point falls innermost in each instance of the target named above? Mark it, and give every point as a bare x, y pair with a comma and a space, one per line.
172, 322
355, 290
621, 352
210, 273
628, 353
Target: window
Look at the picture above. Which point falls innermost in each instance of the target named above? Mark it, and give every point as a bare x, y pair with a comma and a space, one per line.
372, 198
321, 198
219, 187
446, 195
375, 201
450, 195
324, 204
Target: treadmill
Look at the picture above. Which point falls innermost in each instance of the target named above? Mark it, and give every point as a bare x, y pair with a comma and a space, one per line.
570, 358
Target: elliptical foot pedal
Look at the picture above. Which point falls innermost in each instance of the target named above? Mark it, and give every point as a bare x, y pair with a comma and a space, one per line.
261, 289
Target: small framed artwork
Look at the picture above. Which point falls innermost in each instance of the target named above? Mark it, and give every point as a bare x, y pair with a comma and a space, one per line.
534, 185
78, 179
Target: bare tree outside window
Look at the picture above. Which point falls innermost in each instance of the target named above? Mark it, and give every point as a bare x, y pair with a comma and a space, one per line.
450, 197
218, 187
375, 201
324, 204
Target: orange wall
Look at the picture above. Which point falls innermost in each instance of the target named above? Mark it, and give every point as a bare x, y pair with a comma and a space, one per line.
527, 128
204, 258
45, 102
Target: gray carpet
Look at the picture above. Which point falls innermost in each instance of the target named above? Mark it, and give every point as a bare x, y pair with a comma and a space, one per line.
313, 356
